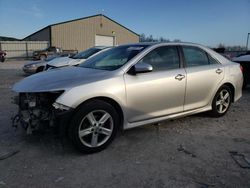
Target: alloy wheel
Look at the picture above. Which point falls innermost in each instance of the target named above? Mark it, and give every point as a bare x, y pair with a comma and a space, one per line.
223, 101
96, 128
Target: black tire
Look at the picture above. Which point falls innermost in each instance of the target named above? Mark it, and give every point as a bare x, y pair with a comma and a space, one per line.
39, 69
2, 59
215, 112
78, 121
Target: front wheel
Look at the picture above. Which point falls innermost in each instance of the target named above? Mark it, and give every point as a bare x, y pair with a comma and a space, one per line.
221, 102
94, 126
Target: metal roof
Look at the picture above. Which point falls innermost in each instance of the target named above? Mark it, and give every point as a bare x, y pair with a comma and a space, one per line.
81, 19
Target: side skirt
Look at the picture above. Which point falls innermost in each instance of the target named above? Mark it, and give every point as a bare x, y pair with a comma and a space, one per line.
128, 125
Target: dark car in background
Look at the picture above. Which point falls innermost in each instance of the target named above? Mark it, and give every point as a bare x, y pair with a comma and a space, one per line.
244, 61
2, 56
51, 51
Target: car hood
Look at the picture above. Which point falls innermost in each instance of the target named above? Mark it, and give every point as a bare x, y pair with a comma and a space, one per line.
60, 79
64, 61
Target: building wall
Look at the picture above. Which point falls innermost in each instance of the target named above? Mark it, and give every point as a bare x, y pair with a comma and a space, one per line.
80, 34
42, 35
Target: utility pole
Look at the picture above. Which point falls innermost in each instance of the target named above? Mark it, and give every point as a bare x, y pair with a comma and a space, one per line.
247, 41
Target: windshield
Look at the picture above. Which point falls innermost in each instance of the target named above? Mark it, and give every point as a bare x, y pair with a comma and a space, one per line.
113, 58
86, 54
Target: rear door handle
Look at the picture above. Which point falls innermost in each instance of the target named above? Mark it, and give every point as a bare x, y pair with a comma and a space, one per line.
180, 77
218, 71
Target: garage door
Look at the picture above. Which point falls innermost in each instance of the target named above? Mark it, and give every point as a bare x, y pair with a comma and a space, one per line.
101, 40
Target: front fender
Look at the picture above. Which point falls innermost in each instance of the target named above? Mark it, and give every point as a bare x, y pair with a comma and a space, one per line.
113, 88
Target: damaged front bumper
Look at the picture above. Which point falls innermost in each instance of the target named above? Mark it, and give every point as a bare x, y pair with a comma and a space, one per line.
39, 111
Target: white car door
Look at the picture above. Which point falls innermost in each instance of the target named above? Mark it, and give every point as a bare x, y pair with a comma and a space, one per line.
204, 74
157, 93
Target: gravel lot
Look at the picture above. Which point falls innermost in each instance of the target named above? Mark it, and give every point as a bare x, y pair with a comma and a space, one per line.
188, 152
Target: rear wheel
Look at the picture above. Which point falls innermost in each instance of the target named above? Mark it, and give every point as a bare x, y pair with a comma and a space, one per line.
221, 101
94, 126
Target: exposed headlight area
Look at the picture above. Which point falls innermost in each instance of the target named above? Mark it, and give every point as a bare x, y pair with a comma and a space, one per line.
36, 110
61, 107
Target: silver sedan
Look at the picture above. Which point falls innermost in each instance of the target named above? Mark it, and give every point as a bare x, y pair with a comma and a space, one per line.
126, 87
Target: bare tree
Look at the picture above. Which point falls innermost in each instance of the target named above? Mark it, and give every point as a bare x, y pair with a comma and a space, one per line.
150, 38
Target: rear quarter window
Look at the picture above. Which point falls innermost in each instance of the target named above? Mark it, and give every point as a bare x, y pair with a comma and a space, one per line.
212, 61
194, 56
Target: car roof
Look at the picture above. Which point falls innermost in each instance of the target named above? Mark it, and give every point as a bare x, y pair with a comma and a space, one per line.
211, 52
165, 43
102, 47
147, 44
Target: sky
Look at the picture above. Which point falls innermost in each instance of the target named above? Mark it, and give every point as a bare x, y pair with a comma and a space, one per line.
207, 22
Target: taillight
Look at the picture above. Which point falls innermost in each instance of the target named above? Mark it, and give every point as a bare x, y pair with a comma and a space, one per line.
241, 68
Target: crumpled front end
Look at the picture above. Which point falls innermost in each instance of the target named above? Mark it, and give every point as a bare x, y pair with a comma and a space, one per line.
37, 110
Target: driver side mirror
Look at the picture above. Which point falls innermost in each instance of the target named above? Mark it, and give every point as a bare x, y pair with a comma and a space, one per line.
140, 68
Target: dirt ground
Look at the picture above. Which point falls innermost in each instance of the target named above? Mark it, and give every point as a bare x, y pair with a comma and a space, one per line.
188, 152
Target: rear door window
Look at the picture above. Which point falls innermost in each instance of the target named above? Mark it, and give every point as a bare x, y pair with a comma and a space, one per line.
194, 56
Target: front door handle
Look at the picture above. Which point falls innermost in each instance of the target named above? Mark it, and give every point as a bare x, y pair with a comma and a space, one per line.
218, 71
180, 77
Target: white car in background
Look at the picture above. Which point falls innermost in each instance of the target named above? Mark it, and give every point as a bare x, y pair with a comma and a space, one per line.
76, 59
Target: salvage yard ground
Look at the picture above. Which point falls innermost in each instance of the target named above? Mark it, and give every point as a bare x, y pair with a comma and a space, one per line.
188, 152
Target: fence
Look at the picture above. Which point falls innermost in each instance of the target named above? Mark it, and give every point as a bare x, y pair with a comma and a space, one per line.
17, 49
